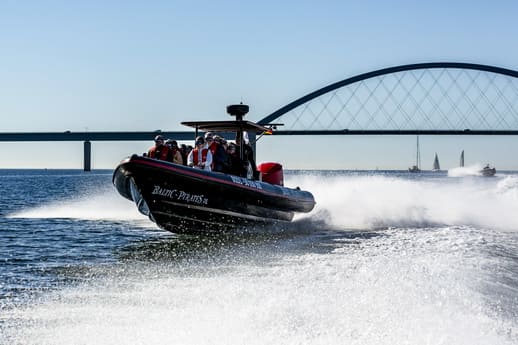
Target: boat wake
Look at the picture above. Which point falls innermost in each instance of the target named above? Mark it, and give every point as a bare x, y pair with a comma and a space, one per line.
104, 206
348, 202
373, 202
472, 170
452, 284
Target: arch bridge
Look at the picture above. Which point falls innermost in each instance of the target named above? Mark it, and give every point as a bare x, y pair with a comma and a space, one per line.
436, 98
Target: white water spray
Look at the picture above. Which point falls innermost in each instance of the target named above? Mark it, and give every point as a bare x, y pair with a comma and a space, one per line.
107, 205
396, 286
472, 170
370, 202
402, 287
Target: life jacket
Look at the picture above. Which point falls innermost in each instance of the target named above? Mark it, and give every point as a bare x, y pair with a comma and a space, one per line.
158, 152
195, 155
213, 147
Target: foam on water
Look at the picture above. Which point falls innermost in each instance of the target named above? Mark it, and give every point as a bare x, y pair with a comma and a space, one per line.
367, 202
105, 205
429, 278
472, 170
392, 288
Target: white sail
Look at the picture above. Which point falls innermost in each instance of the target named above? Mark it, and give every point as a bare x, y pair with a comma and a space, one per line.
436, 165
462, 158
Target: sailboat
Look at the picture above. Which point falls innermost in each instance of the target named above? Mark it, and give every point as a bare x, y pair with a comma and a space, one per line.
462, 159
417, 166
436, 166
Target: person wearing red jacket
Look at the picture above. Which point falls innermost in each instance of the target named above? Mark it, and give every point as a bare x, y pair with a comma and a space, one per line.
200, 157
160, 150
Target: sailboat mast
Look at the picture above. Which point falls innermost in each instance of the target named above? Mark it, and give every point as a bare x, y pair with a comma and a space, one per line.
418, 155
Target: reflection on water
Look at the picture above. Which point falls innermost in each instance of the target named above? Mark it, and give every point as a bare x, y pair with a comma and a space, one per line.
301, 236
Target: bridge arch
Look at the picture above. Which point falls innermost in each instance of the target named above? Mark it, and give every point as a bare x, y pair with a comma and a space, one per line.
452, 97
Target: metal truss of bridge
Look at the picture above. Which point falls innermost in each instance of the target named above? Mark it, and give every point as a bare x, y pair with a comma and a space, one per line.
426, 98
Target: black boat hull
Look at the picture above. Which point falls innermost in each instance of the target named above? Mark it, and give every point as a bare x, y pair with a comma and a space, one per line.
488, 171
185, 200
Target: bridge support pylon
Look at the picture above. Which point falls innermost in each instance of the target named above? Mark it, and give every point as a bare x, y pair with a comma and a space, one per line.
87, 155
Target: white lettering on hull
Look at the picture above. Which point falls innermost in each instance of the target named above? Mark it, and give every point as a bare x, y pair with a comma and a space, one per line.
246, 182
180, 195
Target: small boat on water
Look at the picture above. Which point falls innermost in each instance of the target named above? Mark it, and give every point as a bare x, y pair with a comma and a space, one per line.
183, 199
488, 171
436, 165
417, 167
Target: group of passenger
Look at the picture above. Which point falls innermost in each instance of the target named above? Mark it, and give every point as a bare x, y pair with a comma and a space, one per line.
210, 152
168, 150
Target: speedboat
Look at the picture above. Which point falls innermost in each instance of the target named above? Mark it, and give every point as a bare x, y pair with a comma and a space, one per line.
183, 199
488, 171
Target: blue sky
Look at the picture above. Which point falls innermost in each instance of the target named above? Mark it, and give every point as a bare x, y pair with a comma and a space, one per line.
128, 65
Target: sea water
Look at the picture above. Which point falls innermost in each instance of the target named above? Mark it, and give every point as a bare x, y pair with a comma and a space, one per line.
384, 258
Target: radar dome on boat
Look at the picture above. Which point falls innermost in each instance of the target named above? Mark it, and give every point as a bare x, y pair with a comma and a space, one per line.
237, 110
